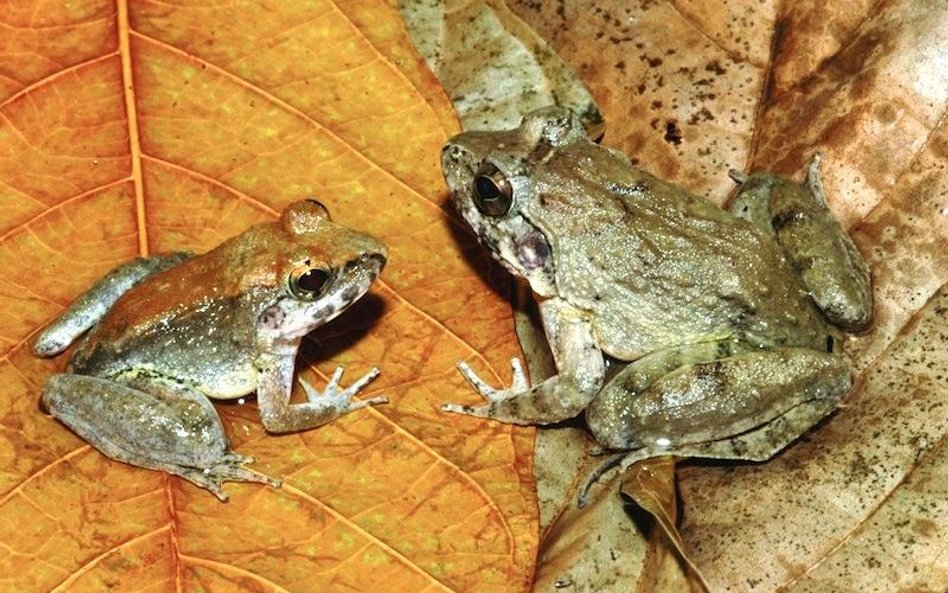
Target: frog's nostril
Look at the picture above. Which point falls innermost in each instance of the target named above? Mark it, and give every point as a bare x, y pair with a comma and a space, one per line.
375, 260
451, 151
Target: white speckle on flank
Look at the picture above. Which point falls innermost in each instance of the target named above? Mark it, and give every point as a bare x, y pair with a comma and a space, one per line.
241, 401
663, 442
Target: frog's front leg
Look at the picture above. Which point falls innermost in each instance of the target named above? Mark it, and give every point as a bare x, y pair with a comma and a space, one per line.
90, 306
580, 374
275, 383
150, 423
813, 240
667, 409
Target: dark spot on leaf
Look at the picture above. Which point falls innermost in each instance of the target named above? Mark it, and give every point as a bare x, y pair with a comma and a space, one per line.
673, 133
715, 66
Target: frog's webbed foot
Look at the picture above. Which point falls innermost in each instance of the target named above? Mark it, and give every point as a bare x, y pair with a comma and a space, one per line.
558, 398
341, 399
519, 385
230, 469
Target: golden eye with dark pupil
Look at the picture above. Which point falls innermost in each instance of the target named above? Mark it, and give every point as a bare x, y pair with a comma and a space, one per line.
493, 194
307, 283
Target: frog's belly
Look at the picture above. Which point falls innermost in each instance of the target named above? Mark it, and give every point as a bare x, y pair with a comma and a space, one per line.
235, 383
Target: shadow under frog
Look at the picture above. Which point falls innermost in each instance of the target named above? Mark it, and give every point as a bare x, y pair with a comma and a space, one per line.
730, 320
164, 334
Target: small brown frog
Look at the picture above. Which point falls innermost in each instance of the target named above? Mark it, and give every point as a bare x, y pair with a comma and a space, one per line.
164, 334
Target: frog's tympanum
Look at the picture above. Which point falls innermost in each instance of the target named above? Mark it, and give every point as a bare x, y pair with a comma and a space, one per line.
166, 333
727, 318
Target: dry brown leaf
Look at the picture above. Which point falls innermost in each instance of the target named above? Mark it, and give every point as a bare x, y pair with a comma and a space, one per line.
591, 549
690, 89
652, 486
493, 66
678, 83
139, 127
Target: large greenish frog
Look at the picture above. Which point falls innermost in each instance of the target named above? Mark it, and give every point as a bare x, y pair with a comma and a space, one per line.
165, 333
728, 318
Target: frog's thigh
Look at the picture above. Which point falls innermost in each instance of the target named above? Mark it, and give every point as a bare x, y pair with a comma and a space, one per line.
813, 240
607, 414
715, 401
162, 428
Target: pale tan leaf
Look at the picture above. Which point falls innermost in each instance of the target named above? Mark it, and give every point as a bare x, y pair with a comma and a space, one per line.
493, 66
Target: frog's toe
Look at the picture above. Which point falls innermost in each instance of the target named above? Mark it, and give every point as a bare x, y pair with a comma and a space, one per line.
519, 383
582, 498
364, 403
476, 382
477, 411
360, 384
342, 395
231, 472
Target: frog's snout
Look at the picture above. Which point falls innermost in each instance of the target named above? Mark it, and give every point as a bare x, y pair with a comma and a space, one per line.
375, 261
366, 248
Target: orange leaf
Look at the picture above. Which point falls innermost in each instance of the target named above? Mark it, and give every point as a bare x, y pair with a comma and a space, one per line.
148, 127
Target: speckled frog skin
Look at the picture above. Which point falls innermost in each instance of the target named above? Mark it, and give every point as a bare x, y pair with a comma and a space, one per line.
729, 318
163, 334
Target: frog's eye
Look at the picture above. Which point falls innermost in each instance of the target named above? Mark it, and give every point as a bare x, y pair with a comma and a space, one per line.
493, 194
306, 282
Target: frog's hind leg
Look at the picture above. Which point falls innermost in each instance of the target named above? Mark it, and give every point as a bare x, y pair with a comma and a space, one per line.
150, 423
778, 434
712, 401
813, 241
746, 406
92, 305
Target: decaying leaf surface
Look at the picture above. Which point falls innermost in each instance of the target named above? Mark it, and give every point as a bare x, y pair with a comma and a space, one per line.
691, 89
493, 66
678, 83
141, 127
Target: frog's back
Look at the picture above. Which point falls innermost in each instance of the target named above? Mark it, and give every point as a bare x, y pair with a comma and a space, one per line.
186, 324
659, 268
